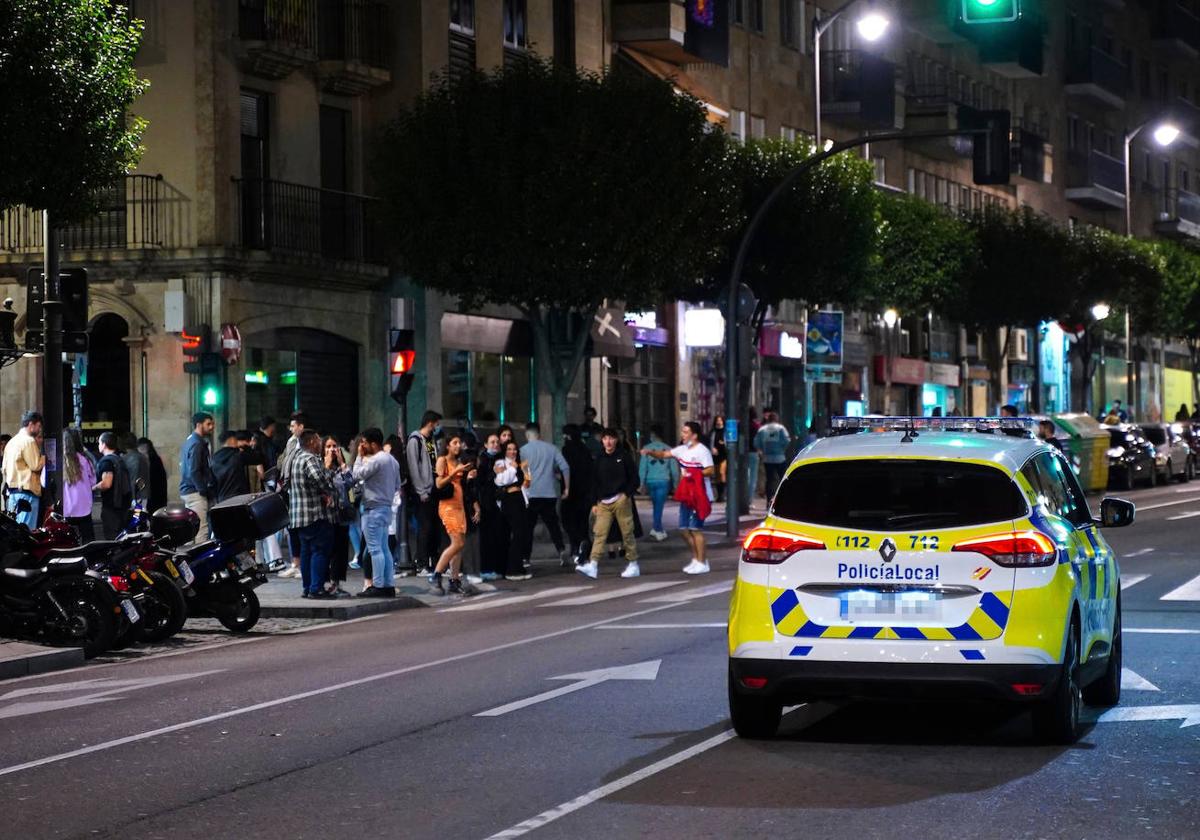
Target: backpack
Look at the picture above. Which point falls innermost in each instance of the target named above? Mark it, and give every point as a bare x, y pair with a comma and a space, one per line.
122, 487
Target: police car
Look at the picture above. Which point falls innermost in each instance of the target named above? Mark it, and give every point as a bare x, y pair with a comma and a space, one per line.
928, 557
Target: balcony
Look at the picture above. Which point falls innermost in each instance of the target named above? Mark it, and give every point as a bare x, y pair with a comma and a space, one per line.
1098, 77
858, 89
1176, 29
932, 107
1032, 156
657, 28
276, 37
141, 212
1179, 217
1095, 180
306, 221
353, 46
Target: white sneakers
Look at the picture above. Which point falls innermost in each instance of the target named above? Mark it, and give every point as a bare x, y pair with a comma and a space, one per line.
589, 569
659, 535
632, 570
290, 572
696, 568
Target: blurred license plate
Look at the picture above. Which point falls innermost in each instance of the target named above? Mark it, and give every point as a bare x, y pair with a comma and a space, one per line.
866, 604
131, 612
189, 577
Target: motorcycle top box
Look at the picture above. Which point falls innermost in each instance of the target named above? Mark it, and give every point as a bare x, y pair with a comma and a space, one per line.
174, 524
254, 516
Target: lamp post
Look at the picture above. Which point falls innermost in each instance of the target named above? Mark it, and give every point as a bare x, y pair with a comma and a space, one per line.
1165, 133
890, 319
871, 27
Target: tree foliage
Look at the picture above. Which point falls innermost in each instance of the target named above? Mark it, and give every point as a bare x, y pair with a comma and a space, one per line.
66, 82
816, 241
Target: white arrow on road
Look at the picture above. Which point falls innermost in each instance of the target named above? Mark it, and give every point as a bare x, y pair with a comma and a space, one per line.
1189, 714
586, 679
98, 691
1133, 681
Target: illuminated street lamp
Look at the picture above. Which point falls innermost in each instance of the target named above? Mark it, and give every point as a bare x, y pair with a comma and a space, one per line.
1100, 311
872, 25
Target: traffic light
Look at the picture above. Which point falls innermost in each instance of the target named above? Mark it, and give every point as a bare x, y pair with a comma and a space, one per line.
73, 294
401, 361
990, 11
992, 146
196, 341
211, 388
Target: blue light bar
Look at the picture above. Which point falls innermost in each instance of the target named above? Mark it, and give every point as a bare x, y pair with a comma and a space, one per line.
988, 425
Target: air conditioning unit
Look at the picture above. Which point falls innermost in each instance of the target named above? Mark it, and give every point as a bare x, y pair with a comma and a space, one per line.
1018, 346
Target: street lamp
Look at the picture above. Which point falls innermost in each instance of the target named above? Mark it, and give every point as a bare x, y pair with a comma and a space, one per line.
1100, 311
871, 27
1164, 133
890, 318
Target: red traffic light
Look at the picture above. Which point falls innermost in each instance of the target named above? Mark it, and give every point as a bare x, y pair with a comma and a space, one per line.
403, 361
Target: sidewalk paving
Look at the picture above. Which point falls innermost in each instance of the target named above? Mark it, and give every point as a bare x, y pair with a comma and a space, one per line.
21, 659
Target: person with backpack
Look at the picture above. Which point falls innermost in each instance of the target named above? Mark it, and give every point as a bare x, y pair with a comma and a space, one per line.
421, 455
116, 490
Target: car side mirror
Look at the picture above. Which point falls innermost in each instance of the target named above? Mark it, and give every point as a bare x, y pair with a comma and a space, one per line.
1117, 513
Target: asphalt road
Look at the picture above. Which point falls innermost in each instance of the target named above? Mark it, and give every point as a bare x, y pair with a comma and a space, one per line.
377, 728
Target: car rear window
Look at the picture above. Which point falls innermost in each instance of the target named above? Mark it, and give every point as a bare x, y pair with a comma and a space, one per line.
898, 495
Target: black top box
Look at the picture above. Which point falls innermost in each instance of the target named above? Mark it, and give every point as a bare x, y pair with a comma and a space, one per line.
254, 516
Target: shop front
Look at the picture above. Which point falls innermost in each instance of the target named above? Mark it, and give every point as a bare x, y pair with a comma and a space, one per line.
898, 384
1055, 397
939, 391
781, 373
641, 384
488, 375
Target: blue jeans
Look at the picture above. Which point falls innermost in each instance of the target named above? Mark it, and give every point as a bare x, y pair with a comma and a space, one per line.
375, 529
356, 537
28, 518
658, 498
316, 546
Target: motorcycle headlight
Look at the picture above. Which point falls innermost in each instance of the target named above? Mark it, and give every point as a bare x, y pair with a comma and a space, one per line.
1116, 452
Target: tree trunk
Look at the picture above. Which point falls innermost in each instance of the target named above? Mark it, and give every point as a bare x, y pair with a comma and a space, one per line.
558, 362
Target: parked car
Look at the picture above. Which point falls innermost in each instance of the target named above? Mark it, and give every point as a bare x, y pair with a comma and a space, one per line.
1172, 454
1131, 458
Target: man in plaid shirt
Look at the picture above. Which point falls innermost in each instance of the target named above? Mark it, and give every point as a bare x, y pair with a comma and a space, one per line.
311, 513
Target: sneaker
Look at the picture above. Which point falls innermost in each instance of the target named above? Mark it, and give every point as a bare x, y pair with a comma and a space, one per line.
696, 568
564, 557
589, 569
524, 576
632, 570
322, 595
406, 571
454, 587
526, 565
490, 576
290, 572
435, 584
277, 566
659, 535
473, 578
354, 564
467, 589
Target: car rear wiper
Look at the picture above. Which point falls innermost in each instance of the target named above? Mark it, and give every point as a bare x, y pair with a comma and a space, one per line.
909, 518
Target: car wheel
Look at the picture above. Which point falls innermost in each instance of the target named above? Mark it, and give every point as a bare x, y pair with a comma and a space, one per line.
1106, 691
753, 717
1056, 719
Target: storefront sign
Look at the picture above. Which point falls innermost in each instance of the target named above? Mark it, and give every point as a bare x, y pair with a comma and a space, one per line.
943, 374
824, 343
823, 375
904, 371
703, 328
781, 341
651, 336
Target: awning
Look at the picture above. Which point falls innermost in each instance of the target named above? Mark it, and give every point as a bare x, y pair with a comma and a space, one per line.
680, 79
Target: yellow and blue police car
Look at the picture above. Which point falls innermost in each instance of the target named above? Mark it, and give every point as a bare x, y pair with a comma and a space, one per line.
928, 557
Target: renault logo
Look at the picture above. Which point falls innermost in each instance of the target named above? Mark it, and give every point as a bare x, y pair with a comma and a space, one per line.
887, 550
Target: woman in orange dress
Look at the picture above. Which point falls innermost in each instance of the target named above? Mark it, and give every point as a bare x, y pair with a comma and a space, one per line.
449, 472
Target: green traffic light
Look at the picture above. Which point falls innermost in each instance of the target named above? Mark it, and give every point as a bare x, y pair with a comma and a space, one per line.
990, 11
210, 397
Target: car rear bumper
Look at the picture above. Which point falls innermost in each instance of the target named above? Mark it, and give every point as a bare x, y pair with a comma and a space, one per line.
795, 682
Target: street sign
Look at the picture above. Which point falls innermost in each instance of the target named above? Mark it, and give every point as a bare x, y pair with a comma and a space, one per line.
611, 336
586, 679
231, 343
824, 339
731, 431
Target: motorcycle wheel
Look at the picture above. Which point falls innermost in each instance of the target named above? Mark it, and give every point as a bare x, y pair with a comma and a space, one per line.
166, 610
239, 609
90, 622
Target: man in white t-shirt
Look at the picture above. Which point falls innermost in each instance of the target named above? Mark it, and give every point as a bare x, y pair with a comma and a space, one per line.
695, 464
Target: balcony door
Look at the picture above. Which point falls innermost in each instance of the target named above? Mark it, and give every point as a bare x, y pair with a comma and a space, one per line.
336, 224
256, 169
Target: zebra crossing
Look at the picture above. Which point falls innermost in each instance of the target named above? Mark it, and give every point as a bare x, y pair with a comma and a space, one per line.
1189, 591
681, 591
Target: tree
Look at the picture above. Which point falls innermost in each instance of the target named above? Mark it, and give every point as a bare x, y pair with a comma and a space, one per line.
66, 82
816, 241
553, 190
1178, 312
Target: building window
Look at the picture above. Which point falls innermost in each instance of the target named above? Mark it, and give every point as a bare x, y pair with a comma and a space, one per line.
462, 16
737, 12
760, 15
880, 164
1144, 73
787, 133
788, 20
513, 12
487, 388
758, 127
1072, 132
737, 124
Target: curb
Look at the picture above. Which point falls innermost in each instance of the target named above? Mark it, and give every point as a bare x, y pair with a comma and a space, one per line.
343, 611
27, 660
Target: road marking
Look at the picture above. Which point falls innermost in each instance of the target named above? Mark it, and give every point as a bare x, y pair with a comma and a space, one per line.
689, 594
317, 692
720, 624
1139, 552
1190, 591
1166, 631
1133, 681
1168, 504
1189, 714
1191, 514
567, 808
516, 599
638, 671
328, 624
105, 694
1131, 580
619, 592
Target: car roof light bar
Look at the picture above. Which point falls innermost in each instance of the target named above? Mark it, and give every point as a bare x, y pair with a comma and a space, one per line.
1024, 426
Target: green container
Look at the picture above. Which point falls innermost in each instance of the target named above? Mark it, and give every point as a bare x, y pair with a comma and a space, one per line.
1086, 443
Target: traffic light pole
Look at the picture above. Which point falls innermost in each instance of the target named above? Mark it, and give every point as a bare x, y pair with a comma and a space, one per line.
733, 479
52, 369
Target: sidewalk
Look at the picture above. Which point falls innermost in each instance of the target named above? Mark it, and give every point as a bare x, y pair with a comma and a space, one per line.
20, 659
281, 597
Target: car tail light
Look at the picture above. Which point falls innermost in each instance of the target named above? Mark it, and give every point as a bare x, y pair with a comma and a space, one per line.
1027, 689
754, 682
119, 583
766, 545
1015, 548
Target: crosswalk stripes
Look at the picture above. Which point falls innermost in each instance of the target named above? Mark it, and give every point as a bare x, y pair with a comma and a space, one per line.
618, 592
1131, 580
689, 594
516, 599
1190, 591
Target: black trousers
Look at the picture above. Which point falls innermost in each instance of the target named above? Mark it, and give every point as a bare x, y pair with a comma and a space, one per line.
87, 530
339, 561
575, 520
519, 540
493, 539
429, 534
547, 511
113, 521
